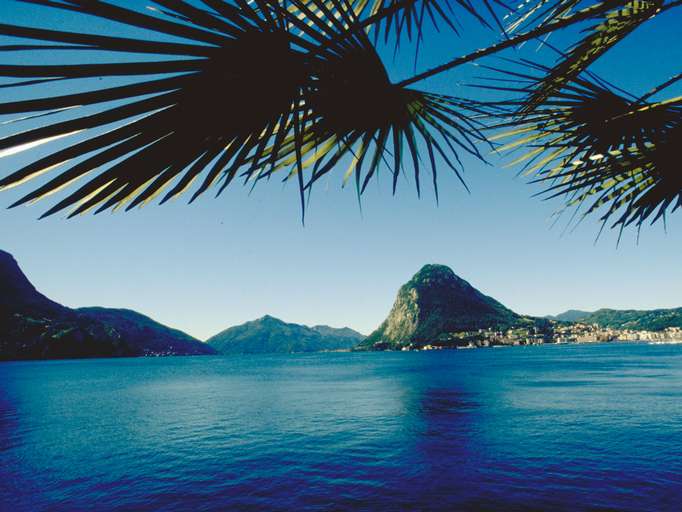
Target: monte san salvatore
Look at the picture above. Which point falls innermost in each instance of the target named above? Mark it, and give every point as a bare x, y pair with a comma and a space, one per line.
438, 309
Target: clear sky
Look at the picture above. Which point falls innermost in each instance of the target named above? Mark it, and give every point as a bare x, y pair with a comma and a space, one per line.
220, 262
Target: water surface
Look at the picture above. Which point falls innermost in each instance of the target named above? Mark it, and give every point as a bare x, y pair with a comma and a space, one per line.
571, 427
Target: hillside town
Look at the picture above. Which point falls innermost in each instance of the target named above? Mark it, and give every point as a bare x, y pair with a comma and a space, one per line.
554, 332
589, 333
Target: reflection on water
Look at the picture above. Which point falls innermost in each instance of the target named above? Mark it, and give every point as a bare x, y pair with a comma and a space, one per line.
530, 428
444, 402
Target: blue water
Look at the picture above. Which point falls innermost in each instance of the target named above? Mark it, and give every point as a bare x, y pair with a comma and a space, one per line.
554, 428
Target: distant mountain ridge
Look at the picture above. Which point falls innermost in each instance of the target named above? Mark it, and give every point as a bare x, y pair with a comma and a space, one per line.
572, 315
35, 327
339, 332
435, 302
146, 334
270, 335
434, 306
633, 319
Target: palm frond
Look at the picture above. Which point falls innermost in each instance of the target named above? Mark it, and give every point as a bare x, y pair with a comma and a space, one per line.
410, 20
542, 12
407, 19
589, 142
643, 183
204, 115
615, 25
256, 88
352, 111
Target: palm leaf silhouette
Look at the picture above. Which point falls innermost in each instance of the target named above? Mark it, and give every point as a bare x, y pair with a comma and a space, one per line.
409, 20
614, 26
260, 88
352, 110
248, 89
204, 115
589, 142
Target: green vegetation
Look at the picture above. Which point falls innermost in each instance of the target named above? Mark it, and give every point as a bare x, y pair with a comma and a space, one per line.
572, 315
269, 335
651, 320
144, 335
435, 308
34, 327
435, 303
438, 309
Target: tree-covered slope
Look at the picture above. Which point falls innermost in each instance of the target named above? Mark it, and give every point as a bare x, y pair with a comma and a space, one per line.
436, 302
651, 320
639, 320
572, 315
271, 335
147, 335
35, 327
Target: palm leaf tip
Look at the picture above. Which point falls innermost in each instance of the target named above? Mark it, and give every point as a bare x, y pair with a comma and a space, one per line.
648, 182
258, 87
541, 12
601, 149
409, 18
355, 112
614, 27
205, 117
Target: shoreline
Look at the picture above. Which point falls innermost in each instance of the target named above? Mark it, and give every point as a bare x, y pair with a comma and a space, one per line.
270, 354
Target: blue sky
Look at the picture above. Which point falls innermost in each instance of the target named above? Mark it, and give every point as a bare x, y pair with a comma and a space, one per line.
216, 263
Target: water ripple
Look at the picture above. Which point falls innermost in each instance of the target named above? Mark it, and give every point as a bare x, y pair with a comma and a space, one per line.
579, 428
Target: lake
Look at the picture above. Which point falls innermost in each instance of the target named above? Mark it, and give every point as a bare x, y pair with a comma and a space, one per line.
553, 427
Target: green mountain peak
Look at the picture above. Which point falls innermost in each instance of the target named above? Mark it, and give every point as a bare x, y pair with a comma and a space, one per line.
435, 302
270, 335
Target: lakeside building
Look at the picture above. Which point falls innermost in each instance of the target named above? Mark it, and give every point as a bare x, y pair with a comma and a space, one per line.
556, 333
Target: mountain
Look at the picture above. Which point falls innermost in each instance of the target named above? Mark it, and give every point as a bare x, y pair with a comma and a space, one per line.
572, 315
18, 294
340, 332
146, 334
35, 327
633, 319
436, 302
636, 320
271, 335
